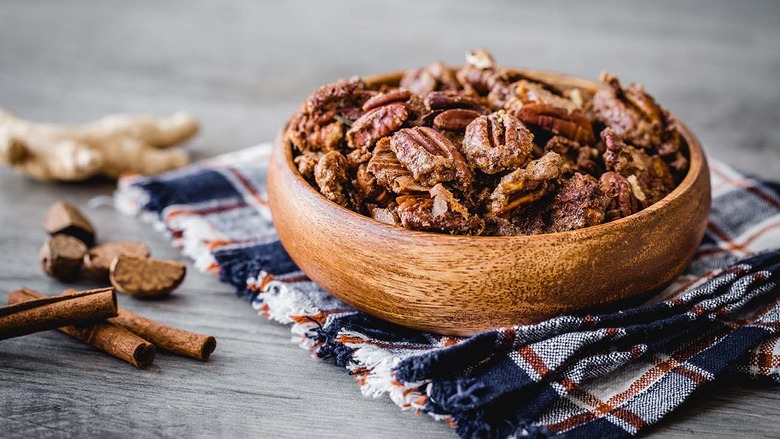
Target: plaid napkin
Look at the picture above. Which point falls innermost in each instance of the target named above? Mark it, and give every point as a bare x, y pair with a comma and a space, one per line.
596, 375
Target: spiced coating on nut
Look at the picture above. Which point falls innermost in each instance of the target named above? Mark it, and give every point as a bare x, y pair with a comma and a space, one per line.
577, 204
418, 212
619, 198
526, 185
575, 157
649, 176
390, 173
316, 125
497, 142
485, 150
332, 177
436, 76
431, 157
377, 123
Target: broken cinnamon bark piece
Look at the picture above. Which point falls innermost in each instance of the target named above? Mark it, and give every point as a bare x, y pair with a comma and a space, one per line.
61, 256
97, 261
64, 218
145, 277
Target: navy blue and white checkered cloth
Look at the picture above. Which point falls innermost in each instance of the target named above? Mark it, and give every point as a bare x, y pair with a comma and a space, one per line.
606, 375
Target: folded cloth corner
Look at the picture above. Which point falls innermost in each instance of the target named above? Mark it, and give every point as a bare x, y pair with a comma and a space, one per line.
612, 374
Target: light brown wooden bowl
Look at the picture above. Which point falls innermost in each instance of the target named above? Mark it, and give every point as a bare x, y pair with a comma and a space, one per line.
461, 285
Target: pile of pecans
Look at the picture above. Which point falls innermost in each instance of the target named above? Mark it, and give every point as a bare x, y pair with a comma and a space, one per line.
484, 150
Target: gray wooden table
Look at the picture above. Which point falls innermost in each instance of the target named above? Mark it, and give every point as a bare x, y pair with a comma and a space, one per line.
242, 67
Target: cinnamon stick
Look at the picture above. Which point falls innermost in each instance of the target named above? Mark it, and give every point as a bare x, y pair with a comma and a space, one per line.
46, 313
106, 336
178, 341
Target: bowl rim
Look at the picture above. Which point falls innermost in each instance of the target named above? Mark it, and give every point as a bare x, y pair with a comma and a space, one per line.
697, 164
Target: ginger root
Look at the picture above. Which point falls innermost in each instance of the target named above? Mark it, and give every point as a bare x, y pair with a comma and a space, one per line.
111, 146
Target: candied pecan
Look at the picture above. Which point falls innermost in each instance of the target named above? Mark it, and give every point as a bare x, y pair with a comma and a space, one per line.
436, 76
576, 157
431, 157
619, 196
383, 99
367, 184
315, 126
442, 100
526, 185
454, 119
497, 142
389, 172
306, 163
528, 92
417, 212
357, 157
415, 106
577, 204
669, 149
428, 118
649, 176
376, 124
478, 76
636, 117
574, 125
331, 175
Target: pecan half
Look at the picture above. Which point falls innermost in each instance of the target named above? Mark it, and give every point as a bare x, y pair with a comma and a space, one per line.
528, 92
431, 157
574, 125
577, 204
331, 175
526, 185
315, 127
417, 212
497, 142
442, 100
649, 176
389, 172
619, 197
400, 95
454, 119
376, 124
436, 76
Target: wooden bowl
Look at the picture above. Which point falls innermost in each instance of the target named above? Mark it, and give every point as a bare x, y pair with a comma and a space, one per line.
461, 285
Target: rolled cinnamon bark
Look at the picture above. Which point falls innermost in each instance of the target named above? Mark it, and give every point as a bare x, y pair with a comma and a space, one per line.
171, 339
106, 336
42, 313
178, 341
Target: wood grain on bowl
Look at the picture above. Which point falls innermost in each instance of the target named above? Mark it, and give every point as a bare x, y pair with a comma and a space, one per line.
461, 285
